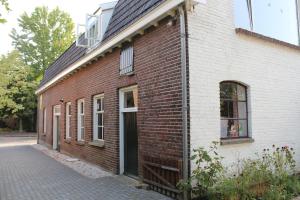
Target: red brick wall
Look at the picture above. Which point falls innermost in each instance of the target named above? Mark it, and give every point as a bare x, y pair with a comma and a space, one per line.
159, 119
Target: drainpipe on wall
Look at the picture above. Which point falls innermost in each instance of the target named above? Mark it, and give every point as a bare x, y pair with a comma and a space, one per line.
184, 96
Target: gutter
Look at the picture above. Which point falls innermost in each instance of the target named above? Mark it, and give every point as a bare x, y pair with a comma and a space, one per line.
143, 23
183, 37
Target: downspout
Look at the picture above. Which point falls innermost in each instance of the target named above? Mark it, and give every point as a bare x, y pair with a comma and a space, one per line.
183, 36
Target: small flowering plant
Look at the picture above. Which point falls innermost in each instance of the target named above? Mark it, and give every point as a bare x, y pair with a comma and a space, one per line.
280, 160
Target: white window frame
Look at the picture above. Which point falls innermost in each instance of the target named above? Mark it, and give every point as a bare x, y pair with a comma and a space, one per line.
123, 110
95, 115
68, 120
44, 120
80, 113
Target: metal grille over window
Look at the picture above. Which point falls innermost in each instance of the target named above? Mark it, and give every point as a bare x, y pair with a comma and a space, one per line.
126, 60
234, 113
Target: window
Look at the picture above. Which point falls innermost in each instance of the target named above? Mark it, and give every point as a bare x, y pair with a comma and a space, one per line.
131, 99
92, 35
44, 121
126, 60
274, 18
80, 120
98, 125
68, 120
234, 114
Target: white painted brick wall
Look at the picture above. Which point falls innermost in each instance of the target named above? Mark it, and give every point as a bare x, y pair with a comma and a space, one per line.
271, 71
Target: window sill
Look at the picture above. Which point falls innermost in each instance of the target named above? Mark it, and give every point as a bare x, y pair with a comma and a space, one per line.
269, 39
97, 143
68, 140
127, 74
80, 143
236, 141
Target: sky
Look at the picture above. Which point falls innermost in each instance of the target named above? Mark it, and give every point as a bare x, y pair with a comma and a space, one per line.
76, 8
270, 18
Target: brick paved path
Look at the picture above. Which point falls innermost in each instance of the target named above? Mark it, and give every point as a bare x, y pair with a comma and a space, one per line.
27, 174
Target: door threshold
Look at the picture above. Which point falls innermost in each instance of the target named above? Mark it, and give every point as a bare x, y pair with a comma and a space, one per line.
135, 177
133, 181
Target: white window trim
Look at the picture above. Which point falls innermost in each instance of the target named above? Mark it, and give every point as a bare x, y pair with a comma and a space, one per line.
68, 120
44, 120
95, 120
122, 110
79, 114
124, 90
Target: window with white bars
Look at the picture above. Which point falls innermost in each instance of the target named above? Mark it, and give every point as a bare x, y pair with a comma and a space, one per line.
98, 116
126, 60
68, 120
80, 120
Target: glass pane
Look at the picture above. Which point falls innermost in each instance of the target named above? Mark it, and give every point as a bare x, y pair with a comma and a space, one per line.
81, 107
82, 134
100, 120
229, 128
242, 19
242, 110
69, 109
228, 91
243, 128
100, 131
82, 121
276, 19
241, 93
231, 110
98, 104
224, 128
131, 99
224, 109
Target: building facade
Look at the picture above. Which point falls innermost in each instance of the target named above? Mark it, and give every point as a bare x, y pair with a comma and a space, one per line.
263, 63
168, 76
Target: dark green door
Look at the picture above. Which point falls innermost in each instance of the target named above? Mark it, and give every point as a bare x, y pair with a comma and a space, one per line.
131, 144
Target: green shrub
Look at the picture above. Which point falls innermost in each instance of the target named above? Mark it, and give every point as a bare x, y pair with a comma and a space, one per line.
270, 176
206, 173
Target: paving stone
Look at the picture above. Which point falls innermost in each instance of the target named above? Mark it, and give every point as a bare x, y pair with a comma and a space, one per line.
28, 174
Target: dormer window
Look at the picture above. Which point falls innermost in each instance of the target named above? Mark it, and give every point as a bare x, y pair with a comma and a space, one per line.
126, 60
93, 36
90, 34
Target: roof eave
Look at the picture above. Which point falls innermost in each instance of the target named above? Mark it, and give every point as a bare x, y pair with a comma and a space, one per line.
144, 22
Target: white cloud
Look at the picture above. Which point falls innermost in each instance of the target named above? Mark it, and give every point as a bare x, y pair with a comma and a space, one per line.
76, 8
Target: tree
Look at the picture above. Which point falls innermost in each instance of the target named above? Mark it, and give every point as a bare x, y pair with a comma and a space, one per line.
4, 4
44, 35
16, 88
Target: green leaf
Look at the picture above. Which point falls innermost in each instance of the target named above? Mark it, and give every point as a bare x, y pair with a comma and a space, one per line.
44, 35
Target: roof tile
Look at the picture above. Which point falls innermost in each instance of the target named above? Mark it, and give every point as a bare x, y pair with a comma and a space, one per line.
125, 13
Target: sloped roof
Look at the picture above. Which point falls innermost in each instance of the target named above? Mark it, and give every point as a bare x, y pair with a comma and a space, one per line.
125, 13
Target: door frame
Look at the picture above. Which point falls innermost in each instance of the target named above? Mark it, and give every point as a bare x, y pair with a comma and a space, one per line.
122, 110
55, 135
